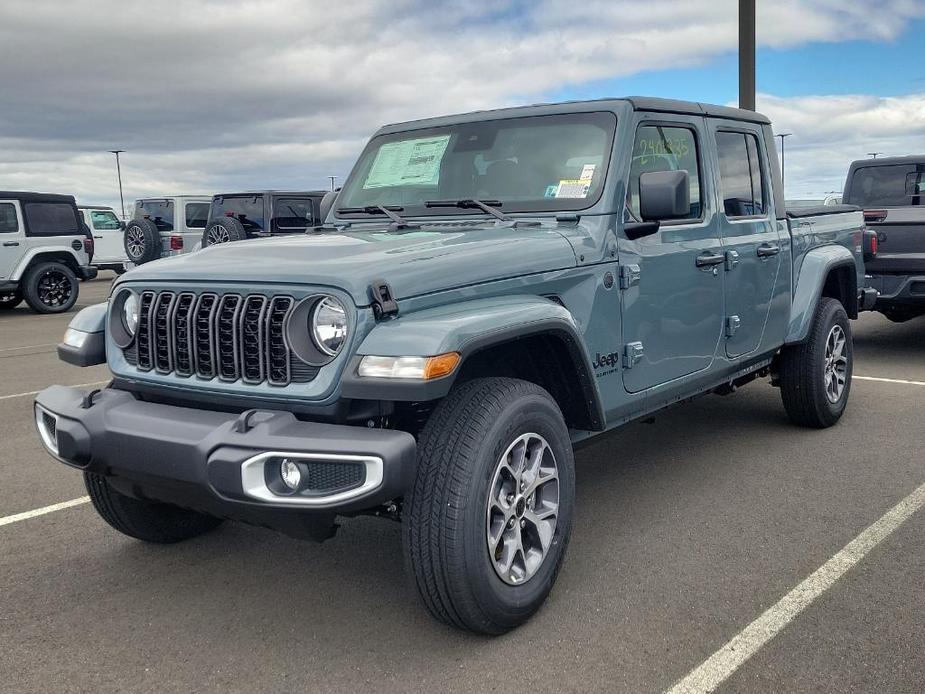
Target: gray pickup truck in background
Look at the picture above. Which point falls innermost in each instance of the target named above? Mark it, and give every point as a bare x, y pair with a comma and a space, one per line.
488, 290
891, 191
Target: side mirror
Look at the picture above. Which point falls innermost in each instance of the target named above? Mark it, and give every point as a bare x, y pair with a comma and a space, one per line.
122, 225
664, 195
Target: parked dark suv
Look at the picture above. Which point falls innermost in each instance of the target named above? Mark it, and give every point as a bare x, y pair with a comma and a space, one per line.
239, 216
892, 193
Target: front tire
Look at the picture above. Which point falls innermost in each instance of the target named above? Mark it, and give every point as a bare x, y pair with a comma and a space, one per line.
815, 376
488, 519
50, 287
145, 520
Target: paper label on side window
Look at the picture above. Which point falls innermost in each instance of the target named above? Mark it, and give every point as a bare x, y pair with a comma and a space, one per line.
408, 162
573, 188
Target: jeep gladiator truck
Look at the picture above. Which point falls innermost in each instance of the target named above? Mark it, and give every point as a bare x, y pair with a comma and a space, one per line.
489, 290
45, 248
240, 216
891, 190
165, 227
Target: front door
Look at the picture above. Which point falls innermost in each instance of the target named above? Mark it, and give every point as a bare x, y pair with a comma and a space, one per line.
750, 234
107, 236
673, 312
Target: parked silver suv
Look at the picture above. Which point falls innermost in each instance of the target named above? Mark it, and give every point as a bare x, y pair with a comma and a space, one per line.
164, 227
44, 249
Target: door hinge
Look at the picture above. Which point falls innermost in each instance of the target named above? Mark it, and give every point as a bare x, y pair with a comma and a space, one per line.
383, 301
632, 354
732, 259
629, 275
732, 324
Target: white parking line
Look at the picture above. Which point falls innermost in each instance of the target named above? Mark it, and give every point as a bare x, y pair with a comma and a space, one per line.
719, 666
42, 511
14, 349
36, 392
890, 380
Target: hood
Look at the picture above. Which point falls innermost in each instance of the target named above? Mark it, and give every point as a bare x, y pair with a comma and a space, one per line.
412, 262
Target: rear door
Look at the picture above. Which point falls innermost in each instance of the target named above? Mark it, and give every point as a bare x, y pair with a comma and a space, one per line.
11, 237
673, 280
107, 236
54, 224
750, 233
195, 217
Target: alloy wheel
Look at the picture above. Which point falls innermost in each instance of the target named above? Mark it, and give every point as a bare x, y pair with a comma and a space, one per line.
835, 369
54, 288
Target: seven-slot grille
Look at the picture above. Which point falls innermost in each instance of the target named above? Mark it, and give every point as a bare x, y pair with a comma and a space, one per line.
226, 336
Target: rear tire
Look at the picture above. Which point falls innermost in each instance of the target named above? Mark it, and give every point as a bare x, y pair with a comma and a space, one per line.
10, 300
142, 241
484, 543
50, 287
145, 520
223, 230
815, 376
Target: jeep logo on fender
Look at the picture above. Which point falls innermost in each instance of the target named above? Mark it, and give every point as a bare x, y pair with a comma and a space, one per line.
610, 360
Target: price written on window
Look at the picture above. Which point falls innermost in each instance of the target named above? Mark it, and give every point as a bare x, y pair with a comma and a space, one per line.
647, 149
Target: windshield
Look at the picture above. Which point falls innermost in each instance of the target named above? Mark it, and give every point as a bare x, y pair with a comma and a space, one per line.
893, 185
530, 164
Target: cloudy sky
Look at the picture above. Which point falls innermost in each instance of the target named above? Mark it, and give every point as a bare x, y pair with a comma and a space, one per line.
211, 95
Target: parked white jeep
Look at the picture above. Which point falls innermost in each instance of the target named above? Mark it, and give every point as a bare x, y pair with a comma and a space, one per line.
108, 231
166, 226
44, 249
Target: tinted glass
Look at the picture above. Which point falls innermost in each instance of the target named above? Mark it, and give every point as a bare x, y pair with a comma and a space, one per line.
8, 221
52, 219
248, 209
159, 211
740, 174
541, 163
662, 148
894, 185
104, 220
292, 213
197, 214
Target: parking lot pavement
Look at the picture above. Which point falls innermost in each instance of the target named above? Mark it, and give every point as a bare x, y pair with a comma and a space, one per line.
686, 530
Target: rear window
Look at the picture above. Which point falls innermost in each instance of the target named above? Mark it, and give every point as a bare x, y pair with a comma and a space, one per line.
158, 211
248, 209
197, 214
894, 185
8, 221
51, 219
292, 213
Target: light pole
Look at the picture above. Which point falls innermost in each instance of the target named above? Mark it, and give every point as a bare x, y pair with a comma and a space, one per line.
873, 155
747, 54
117, 152
333, 178
782, 136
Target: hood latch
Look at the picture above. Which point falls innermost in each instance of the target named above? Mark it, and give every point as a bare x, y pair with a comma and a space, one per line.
383, 301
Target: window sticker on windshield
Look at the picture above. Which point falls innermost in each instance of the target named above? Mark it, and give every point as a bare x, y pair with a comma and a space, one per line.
573, 188
587, 173
408, 162
551, 190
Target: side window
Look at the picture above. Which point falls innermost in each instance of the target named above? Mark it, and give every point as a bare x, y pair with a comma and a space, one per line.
8, 222
741, 177
104, 220
665, 148
197, 214
292, 213
51, 219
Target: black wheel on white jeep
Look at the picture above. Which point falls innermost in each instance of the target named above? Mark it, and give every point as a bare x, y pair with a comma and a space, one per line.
815, 376
10, 300
142, 241
223, 230
488, 519
50, 287
145, 520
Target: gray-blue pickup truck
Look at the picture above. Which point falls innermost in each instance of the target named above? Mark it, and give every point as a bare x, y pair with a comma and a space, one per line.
487, 291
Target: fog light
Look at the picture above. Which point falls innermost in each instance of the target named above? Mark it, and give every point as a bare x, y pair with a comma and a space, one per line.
290, 474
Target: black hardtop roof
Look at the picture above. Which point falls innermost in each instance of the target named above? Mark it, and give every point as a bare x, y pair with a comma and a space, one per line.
638, 103
25, 196
271, 192
888, 161
94, 207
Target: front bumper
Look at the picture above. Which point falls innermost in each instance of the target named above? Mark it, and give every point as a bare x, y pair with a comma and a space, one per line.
224, 463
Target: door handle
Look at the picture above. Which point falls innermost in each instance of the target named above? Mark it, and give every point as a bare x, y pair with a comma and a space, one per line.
766, 250
97, 237
11, 243
707, 259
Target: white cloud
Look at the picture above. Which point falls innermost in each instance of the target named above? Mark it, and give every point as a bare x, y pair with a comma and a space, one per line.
212, 94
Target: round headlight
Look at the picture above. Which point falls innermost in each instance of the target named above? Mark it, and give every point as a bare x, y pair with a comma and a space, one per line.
130, 313
329, 325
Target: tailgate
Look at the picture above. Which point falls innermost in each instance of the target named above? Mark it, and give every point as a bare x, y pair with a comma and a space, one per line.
901, 236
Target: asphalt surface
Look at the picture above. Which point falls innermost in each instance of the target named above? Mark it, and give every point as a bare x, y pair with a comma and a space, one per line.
686, 530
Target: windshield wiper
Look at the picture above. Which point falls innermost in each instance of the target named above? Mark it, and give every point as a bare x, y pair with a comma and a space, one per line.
490, 206
397, 221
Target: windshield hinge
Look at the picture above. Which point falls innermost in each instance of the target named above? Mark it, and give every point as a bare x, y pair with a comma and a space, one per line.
383, 301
